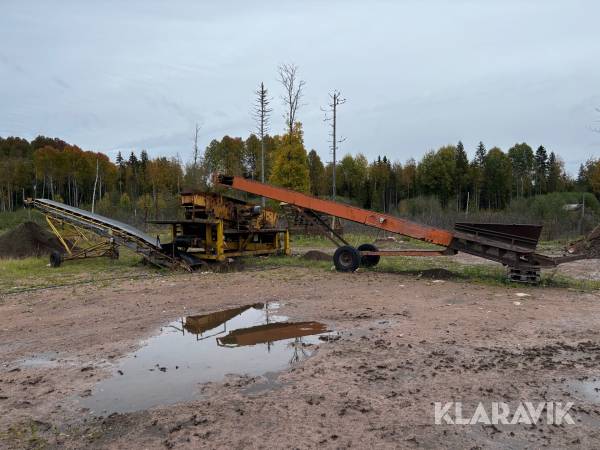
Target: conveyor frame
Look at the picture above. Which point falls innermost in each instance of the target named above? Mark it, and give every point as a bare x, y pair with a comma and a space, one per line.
113, 233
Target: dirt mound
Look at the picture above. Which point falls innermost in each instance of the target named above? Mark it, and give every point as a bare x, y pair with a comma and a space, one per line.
439, 274
590, 245
229, 265
316, 255
28, 239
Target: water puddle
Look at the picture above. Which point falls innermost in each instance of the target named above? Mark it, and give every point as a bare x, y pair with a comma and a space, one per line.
270, 383
587, 389
48, 359
249, 340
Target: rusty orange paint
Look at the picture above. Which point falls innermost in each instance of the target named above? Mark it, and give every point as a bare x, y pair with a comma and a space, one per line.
374, 219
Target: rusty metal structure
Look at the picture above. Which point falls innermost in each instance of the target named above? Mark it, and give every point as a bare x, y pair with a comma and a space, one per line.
216, 227
514, 246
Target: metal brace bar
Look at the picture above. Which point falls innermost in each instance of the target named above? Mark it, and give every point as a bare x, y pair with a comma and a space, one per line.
327, 227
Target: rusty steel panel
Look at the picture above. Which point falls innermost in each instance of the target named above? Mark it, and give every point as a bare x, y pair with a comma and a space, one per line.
236, 213
518, 235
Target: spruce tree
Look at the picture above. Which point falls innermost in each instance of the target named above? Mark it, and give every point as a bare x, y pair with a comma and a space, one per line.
480, 154
462, 174
541, 169
477, 172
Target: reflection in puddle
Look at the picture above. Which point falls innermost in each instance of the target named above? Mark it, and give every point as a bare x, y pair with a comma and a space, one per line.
249, 340
265, 334
201, 324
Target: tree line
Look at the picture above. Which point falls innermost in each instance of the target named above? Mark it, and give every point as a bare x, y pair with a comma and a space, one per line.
52, 168
490, 180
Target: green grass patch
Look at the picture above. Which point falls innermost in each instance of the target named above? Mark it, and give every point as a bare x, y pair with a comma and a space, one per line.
285, 261
23, 274
478, 273
434, 268
25, 435
9, 220
32, 273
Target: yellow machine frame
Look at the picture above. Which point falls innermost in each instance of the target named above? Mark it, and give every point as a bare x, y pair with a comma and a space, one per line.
218, 243
217, 227
79, 243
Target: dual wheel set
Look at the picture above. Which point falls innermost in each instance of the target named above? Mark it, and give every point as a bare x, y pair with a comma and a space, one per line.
347, 258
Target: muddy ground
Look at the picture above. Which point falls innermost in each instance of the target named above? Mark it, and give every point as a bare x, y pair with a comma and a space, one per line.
404, 344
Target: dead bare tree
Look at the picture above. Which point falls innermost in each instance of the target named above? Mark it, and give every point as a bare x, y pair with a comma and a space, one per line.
261, 114
95, 184
193, 169
597, 129
293, 87
336, 100
196, 145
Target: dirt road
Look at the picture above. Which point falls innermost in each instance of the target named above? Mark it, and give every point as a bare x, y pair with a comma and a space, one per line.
404, 344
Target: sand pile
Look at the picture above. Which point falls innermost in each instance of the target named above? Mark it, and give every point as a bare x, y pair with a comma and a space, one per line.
28, 239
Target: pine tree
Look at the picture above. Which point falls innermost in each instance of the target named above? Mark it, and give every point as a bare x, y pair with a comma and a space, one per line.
121, 169
143, 169
554, 173
133, 161
477, 172
462, 174
262, 114
316, 174
582, 177
541, 170
132, 178
480, 154
144, 159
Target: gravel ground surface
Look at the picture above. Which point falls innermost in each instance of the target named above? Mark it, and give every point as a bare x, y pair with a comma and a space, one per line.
404, 343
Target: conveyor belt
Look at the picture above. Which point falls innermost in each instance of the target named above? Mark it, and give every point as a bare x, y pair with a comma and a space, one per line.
122, 233
512, 245
98, 218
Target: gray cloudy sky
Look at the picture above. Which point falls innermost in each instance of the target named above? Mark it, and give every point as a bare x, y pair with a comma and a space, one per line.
109, 75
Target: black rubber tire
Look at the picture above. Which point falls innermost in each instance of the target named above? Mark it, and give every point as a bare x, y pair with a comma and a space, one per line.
368, 261
346, 259
56, 259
